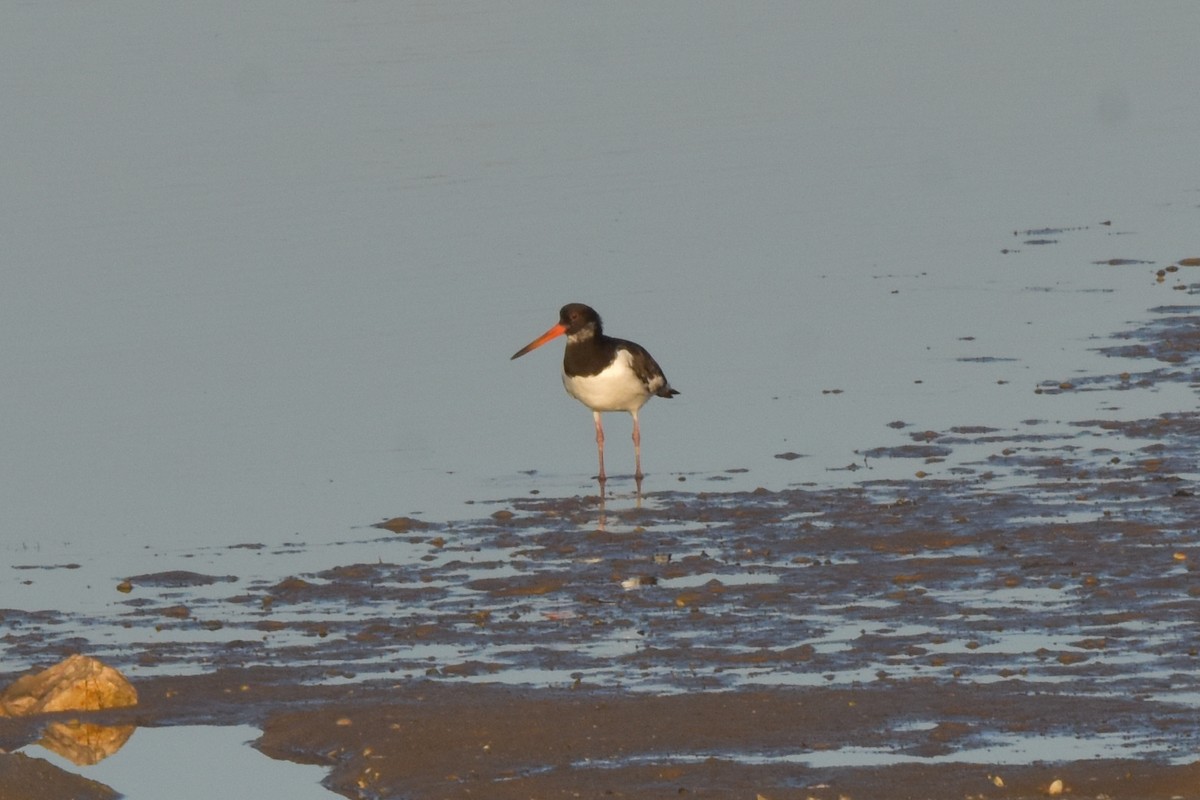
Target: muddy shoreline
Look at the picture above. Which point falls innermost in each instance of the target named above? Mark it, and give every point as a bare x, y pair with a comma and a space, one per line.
1019, 614
431, 739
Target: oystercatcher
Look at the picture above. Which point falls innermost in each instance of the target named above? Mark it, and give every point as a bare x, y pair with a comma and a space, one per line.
603, 373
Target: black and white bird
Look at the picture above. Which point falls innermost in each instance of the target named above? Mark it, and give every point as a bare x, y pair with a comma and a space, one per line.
603, 373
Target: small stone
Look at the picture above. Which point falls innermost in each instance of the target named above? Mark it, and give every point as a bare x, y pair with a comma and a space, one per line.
403, 525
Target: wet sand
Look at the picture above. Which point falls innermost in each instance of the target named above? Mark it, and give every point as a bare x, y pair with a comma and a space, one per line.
438, 740
1020, 615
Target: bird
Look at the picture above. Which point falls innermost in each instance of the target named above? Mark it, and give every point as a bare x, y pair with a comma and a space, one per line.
604, 373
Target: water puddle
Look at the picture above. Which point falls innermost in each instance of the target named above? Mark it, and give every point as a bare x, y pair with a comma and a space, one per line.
188, 762
995, 752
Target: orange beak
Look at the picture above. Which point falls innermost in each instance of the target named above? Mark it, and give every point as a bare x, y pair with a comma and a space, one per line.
556, 331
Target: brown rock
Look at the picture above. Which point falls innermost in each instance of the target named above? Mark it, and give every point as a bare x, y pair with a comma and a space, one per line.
78, 683
403, 525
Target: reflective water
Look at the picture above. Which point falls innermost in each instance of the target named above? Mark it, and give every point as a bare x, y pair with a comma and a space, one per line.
1003, 751
264, 264
191, 762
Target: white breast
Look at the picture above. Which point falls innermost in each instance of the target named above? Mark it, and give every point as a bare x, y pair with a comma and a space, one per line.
616, 388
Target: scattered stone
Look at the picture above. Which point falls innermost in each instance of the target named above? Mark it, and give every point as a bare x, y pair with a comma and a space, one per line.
177, 612
403, 525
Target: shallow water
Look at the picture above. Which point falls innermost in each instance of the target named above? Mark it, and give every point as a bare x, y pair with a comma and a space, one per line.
266, 265
190, 762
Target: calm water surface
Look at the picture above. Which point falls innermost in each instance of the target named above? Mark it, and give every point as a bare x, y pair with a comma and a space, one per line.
265, 264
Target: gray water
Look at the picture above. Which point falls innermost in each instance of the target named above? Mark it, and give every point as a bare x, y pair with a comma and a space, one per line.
264, 264
150, 766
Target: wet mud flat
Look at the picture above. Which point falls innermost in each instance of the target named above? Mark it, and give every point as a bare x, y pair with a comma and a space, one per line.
1021, 621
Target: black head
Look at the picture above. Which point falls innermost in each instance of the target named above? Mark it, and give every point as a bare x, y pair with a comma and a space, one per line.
578, 318
577, 321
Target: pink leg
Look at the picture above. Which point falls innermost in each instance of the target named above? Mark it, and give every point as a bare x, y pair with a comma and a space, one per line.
600, 444
637, 447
